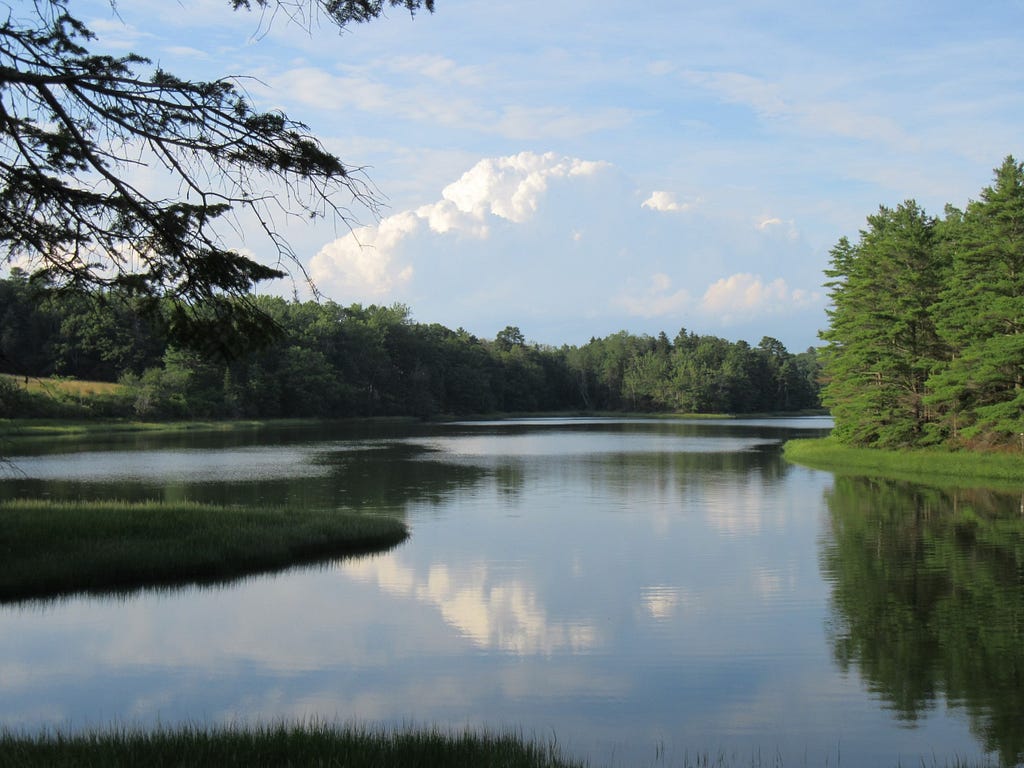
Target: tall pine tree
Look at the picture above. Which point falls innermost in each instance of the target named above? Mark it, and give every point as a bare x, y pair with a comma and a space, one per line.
882, 343
980, 394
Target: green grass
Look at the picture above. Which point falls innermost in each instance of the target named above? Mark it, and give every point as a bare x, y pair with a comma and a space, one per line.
282, 745
933, 464
50, 548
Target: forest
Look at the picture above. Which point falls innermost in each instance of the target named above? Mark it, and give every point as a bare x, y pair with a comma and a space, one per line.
925, 344
321, 359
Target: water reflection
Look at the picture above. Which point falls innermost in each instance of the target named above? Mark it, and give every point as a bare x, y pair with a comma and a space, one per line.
618, 584
928, 601
493, 612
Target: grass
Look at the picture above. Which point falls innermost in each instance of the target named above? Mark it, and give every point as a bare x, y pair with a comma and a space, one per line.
318, 745
281, 745
71, 387
51, 548
933, 464
27, 428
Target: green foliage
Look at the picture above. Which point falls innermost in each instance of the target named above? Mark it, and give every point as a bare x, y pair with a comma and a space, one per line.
925, 343
325, 360
76, 125
882, 338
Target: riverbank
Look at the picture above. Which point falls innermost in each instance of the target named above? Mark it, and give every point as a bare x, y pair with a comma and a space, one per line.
56, 548
937, 464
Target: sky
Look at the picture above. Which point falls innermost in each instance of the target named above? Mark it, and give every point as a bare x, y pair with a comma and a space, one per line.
579, 168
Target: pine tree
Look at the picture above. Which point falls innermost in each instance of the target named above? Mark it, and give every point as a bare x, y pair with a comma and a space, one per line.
882, 344
980, 394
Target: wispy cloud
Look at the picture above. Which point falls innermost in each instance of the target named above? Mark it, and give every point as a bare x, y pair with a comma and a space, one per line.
658, 299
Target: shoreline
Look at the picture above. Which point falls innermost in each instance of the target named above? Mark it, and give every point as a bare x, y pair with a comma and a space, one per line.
937, 465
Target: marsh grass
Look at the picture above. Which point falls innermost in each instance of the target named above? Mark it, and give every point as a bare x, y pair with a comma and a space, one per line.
326, 746
281, 745
50, 548
935, 465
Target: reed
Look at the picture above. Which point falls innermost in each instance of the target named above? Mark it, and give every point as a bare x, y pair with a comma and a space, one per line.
59, 547
326, 746
280, 745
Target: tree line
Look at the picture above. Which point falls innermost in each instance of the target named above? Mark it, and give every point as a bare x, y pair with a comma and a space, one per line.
925, 344
328, 360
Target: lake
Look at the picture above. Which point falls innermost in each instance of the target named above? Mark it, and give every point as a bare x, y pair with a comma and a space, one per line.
643, 591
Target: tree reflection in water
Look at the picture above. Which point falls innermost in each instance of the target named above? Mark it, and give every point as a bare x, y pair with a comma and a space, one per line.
928, 600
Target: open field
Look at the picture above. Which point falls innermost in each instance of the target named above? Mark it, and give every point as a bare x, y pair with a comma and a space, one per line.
61, 386
53, 548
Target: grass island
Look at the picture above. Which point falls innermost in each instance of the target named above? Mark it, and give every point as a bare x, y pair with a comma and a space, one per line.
52, 548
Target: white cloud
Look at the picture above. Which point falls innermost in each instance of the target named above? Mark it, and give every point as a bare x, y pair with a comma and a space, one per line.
366, 262
770, 224
363, 262
560, 246
433, 67
511, 187
745, 295
664, 201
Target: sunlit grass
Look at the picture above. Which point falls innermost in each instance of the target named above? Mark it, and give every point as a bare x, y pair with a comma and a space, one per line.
935, 464
62, 386
50, 548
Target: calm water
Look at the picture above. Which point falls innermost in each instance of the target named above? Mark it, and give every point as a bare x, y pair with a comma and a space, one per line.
641, 590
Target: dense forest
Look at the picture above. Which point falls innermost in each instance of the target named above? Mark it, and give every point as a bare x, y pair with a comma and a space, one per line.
326, 360
926, 338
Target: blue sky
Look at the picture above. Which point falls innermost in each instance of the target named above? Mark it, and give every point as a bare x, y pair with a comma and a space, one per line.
577, 168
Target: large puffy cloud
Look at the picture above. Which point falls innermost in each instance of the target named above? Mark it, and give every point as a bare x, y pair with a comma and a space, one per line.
363, 262
369, 260
511, 187
568, 249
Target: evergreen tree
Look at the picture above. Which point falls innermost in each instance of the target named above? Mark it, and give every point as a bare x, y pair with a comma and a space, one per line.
75, 127
980, 394
882, 344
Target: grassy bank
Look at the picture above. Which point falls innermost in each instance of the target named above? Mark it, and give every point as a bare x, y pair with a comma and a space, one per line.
278, 746
49, 548
935, 464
